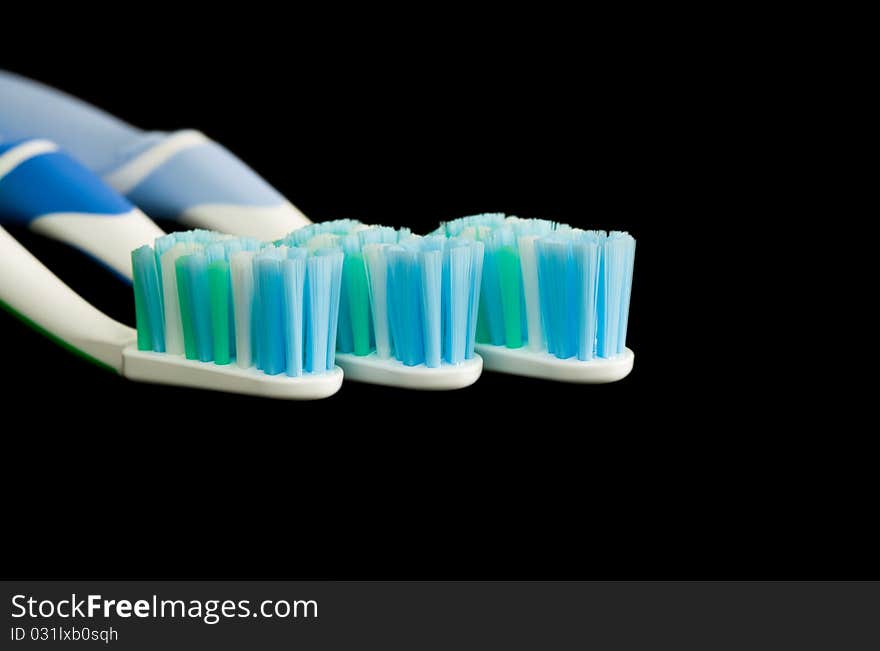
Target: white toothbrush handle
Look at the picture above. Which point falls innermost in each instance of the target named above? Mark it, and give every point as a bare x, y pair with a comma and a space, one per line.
267, 223
31, 291
109, 240
53, 194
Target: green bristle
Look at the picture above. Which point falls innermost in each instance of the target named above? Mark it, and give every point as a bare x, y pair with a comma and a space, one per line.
510, 280
483, 334
148, 300
142, 321
358, 293
218, 282
186, 309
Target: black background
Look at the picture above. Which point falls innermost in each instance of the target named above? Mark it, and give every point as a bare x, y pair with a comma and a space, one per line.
692, 467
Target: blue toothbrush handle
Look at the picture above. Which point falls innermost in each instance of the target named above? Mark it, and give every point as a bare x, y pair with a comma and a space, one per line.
180, 176
45, 189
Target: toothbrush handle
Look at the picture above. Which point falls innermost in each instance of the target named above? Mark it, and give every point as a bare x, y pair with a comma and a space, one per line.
53, 194
182, 176
29, 290
188, 178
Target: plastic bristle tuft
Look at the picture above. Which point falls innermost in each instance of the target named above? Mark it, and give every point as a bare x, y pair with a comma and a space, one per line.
287, 307
293, 274
405, 304
149, 315
320, 271
223, 300
556, 288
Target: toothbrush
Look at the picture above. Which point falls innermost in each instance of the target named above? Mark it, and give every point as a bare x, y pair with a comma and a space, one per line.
46, 189
181, 176
554, 302
410, 285
29, 290
403, 306
239, 302
185, 177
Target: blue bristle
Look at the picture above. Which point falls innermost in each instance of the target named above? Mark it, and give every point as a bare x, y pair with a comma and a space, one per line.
196, 266
457, 278
604, 344
323, 273
251, 244
556, 279
430, 259
474, 284
215, 251
491, 290
447, 304
294, 274
260, 347
586, 251
231, 247
336, 259
405, 303
543, 249
272, 346
378, 235
616, 283
257, 322
147, 278
629, 246
299, 236
415, 297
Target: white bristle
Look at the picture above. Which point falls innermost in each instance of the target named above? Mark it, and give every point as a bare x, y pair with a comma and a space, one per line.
529, 269
377, 270
322, 241
173, 325
242, 275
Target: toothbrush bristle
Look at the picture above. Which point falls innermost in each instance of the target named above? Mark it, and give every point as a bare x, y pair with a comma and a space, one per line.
403, 296
552, 287
147, 301
287, 307
215, 298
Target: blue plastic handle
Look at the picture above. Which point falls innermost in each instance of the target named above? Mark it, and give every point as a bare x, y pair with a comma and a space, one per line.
202, 174
51, 182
